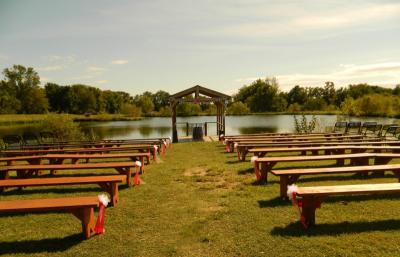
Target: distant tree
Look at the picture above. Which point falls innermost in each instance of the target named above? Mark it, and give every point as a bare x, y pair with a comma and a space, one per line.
8, 101
24, 83
297, 95
83, 99
57, 96
160, 99
146, 104
329, 93
237, 108
259, 95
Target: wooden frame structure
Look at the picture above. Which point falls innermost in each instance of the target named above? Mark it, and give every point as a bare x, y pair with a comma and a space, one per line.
199, 95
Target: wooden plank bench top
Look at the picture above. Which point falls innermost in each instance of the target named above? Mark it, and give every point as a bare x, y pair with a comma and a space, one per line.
311, 197
290, 176
140, 148
73, 150
267, 163
243, 149
108, 183
122, 167
349, 189
330, 170
81, 207
316, 157
294, 138
282, 135
321, 148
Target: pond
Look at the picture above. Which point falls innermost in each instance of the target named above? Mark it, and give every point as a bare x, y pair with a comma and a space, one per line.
161, 126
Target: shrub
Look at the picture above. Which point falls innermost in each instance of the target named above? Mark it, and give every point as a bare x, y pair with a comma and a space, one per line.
238, 108
131, 110
304, 126
62, 127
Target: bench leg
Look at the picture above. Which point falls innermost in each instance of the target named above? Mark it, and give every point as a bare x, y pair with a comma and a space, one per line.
127, 173
112, 189
284, 182
86, 216
309, 205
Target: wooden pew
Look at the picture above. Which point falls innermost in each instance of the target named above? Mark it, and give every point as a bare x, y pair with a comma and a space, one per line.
107, 183
243, 149
27, 170
324, 150
80, 207
288, 177
134, 149
267, 163
311, 197
231, 143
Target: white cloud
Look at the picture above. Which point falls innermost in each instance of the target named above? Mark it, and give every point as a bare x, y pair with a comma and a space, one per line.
301, 21
60, 58
95, 69
119, 62
383, 74
51, 68
101, 81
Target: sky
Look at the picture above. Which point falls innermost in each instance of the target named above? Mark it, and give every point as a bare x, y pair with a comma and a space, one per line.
171, 45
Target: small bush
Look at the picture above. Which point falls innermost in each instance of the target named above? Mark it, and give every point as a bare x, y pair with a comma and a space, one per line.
131, 110
62, 127
238, 108
304, 126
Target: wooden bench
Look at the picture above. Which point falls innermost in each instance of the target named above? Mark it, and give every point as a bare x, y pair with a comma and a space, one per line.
324, 150
288, 177
75, 158
26, 171
311, 197
137, 148
80, 207
243, 149
267, 163
107, 183
231, 143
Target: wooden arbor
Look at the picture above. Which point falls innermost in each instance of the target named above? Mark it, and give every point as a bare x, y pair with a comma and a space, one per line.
199, 95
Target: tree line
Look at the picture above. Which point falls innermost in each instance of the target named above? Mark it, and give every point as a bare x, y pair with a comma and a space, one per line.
20, 92
264, 95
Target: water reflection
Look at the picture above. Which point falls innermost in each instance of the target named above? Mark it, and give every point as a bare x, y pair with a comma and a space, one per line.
161, 127
253, 130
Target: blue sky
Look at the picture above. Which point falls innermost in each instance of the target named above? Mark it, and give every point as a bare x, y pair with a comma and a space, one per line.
135, 46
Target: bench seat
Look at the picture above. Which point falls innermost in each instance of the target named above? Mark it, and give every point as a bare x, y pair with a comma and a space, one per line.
267, 163
25, 171
107, 183
288, 177
311, 197
80, 207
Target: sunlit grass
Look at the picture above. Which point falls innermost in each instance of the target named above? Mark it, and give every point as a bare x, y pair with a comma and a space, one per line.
201, 201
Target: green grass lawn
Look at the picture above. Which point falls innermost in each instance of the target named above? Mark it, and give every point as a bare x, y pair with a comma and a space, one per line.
201, 201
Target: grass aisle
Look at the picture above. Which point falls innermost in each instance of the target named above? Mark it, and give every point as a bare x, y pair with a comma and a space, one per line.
201, 202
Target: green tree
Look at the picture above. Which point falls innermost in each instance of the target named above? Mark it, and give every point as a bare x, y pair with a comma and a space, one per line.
297, 95
24, 82
57, 96
259, 95
8, 101
237, 108
146, 104
160, 99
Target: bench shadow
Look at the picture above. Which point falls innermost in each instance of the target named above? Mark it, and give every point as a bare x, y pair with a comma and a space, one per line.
279, 202
246, 171
51, 245
17, 191
296, 229
274, 202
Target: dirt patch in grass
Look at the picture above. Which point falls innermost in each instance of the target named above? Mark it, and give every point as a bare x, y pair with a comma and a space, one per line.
195, 171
